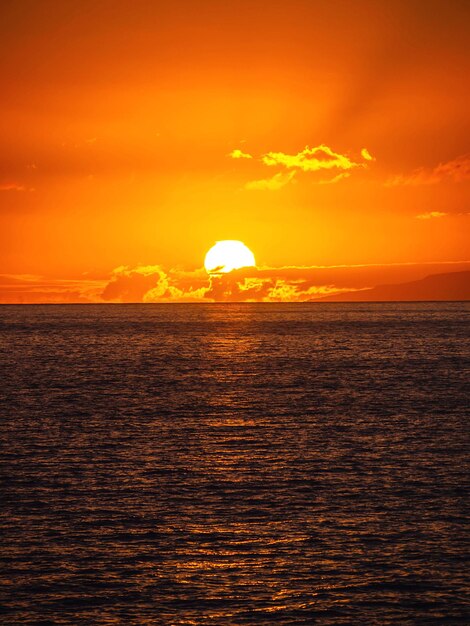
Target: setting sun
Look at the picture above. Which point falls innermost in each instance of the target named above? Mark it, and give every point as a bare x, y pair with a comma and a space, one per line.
228, 255
194, 435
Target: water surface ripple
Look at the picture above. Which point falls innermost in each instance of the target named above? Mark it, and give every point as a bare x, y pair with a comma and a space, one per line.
234, 464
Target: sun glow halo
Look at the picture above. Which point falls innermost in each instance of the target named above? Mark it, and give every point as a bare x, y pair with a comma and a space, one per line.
228, 255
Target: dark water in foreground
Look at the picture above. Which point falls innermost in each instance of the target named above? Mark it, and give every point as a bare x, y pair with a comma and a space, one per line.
234, 464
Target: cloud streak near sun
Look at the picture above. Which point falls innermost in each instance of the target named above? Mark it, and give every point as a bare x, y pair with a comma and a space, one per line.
457, 170
320, 158
279, 180
156, 284
249, 284
257, 284
430, 215
239, 154
310, 160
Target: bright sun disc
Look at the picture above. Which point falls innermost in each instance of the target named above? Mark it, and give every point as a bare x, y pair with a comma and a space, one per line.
228, 255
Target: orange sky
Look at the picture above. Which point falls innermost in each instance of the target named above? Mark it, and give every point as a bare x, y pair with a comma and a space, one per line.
120, 122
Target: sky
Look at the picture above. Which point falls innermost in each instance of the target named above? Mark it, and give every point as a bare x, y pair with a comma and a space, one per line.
332, 138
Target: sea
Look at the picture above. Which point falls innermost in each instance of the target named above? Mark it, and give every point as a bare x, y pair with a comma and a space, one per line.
224, 464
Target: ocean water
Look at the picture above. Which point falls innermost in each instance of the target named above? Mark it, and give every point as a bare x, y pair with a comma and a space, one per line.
217, 464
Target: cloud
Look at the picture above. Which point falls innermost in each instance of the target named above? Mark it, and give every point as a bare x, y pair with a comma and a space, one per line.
151, 283
419, 176
320, 158
32, 288
12, 187
239, 154
456, 171
336, 179
173, 293
304, 284
367, 155
430, 215
310, 159
132, 284
259, 285
277, 181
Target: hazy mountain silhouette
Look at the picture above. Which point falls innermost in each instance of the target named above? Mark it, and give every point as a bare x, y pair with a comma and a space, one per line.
451, 286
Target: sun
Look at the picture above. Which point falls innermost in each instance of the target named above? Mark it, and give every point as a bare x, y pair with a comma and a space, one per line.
228, 255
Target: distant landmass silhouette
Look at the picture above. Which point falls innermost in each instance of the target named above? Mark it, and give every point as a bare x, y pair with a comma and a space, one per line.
449, 286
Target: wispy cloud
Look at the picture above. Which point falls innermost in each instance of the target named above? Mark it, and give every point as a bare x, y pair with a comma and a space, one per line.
320, 158
12, 187
456, 170
367, 155
32, 288
430, 215
239, 154
251, 284
153, 283
274, 183
310, 159
132, 284
335, 179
